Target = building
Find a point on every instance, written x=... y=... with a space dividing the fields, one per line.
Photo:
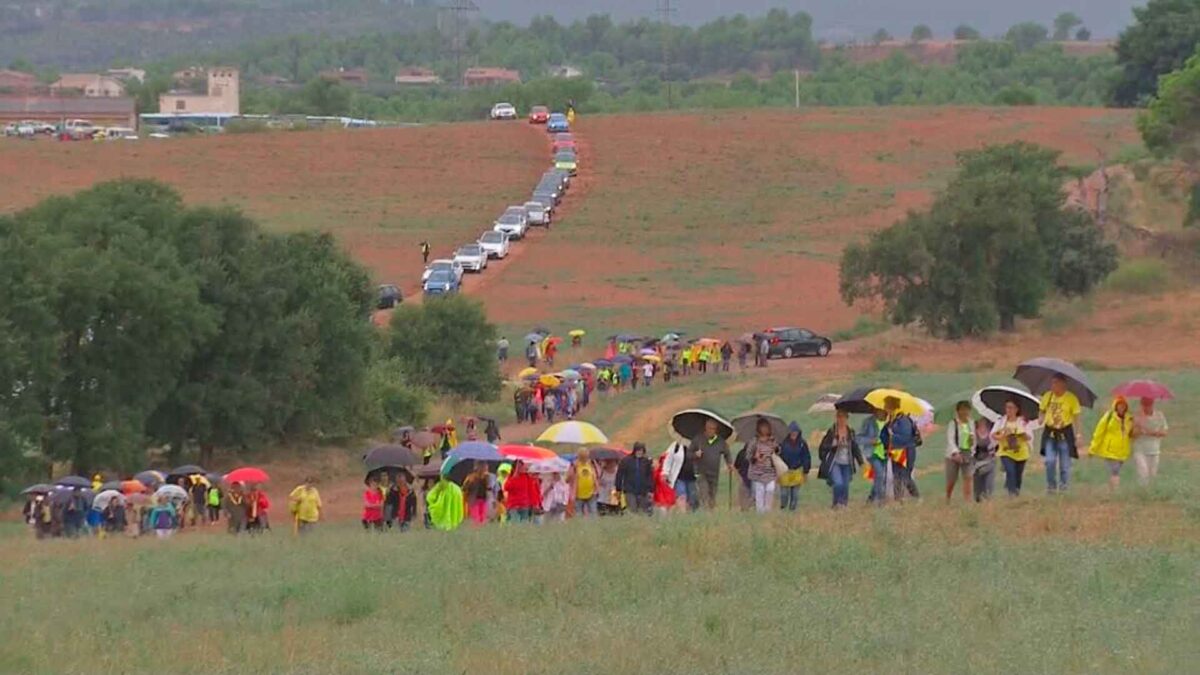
x=89 y=84
x=126 y=74
x=355 y=76
x=111 y=111
x=486 y=77
x=565 y=71
x=222 y=94
x=16 y=81
x=416 y=76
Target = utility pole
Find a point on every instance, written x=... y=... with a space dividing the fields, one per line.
x=796 y=72
x=666 y=10
x=456 y=11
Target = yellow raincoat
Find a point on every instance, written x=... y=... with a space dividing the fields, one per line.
x=445 y=502
x=1112 y=438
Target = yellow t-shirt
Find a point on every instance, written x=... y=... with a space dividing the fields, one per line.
x=1019 y=453
x=306 y=504
x=1060 y=411
x=585 y=481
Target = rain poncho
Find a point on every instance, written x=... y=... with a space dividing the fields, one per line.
x=1111 y=439
x=445 y=502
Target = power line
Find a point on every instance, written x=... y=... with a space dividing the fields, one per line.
x=457 y=10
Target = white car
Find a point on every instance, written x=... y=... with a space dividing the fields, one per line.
x=440 y=264
x=472 y=257
x=514 y=222
x=503 y=111
x=495 y=244
x=537 y=214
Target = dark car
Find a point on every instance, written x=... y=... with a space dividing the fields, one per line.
x=790 y=342
x=389 y=296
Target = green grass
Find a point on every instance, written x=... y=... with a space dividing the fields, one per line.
x=864 y=326
x=1143 y=276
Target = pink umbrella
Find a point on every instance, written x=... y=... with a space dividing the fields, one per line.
x=529 y=453
x=247 y=474
x=1143 y=389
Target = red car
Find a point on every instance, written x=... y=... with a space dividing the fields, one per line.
x=564 y=145
x=538 y=114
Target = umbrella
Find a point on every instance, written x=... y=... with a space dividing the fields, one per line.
x=173 y=492
x=533 y=337
x=652 y=358
x=214 y=478
x=578 y=332
x=247 y=474
x=990 y=401
x=1037 y=373
x=855 y=402
x=603 y=363
x=746 y=338
x=73 y=481
x=133 y=487
x=576 y=432
x=38 y=489
x=552 y=465
x=150 y=478
x=111 y=485
x=527 y=372
x=427 y=471
x=708 y=342
x=909 y=404
x=61 y=495
x=626 y=337
x=187 y=470
x=587 y=366
x=553 y=341
x=689 y=423
x=424 y=439
x=478 y=451
x=541 y=330
x=549 y=381
x=607 y=454
x=382 y=456
x=672 y=337
x=622 y=358
x=826 y=403
x=1143 y=389
x=528 y=453
x=442 y=428
x=101 y=500
x=746 y=425
x=569 y=374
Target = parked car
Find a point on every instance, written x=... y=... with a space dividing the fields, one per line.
x=494 y=243
x=442 y=282
x=538 y=114
x=563 y=177
x=503 y=111
x=389 y=296
x=537 y=213
x=546 y=194
x=564 y=136
x=789 y=342
x=567 y=161
x=513 y=222
x=78 y=129
x=557 y=122
x=545 y=201
x=564 y=145
x=443 y=264
x=551 y=189
x=472 y=257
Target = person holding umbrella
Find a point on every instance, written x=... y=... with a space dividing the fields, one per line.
x=708 y=450
x=522 y=495
x=1059 y=409
x=903 y=438
x=1014 y=434
x=1149 y=428
x=871 y=436
x=1112 y=439
x=477 y=492
x=840 y=457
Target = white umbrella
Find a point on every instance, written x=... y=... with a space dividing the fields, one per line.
x=990 y=401
x=171 y=492
x=101 y=501
x=549 y=465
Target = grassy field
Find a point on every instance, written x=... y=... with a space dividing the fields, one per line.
x=1088 y=582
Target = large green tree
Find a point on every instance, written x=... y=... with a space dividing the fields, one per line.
x=1170 y=125
x=448 y=346
x=1064 y=23
x=1027 y=35
x=1164 y=35
x=989 y=250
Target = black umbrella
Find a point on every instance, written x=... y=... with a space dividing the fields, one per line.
x=389 y=456
x=187 y=470
x=606 y=455
x=746 y=425
x=111 y=485
x=990 y=401
x=38 y=489
x=73 y=481
x=855 y=402
x=1037 y=374
x=690 y=423
x=62 y=495
x=215 y=478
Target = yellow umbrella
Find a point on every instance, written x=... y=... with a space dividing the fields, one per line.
x=576 y=432
x=578 y=332
x=527 y=372
x=653 y=358
x=909 y=404
x=549 y=380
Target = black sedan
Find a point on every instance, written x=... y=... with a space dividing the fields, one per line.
x=790 y=342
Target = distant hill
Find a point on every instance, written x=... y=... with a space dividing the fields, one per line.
x=81 y=34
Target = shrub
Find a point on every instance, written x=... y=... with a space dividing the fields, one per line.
x=1140 y=277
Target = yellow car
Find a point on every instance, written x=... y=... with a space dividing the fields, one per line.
x=566 y=161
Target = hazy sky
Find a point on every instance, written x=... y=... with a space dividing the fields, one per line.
x=836 y=19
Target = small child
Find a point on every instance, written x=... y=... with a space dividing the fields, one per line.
x=984 y=464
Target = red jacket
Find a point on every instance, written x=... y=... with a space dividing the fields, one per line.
x=522 y=491
x=372 y=505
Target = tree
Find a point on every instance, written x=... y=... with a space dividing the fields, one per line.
x=325 y=96
x=993 y=244
x=921 y=32
x=1064 y=23
x=1027 y=35
x=1170 y=126
x=881 y=35
x=447 y=346
x=965 y=32
x=1164 y=35
x=1083 y=34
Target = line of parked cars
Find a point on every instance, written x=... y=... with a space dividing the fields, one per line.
x=68 y=130
x=444 y=276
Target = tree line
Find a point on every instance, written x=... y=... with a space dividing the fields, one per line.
x=129 y=321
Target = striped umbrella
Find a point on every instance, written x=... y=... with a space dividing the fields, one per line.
x=574 y=432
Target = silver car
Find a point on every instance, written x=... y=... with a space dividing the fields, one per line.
x=472 y=257
x=537 y=213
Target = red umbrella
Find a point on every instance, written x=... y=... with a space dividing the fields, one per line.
x=1143 y=389
x=554 y=341
x=247 y=474
x=529 y=453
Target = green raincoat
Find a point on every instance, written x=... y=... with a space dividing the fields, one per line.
x=445 y=502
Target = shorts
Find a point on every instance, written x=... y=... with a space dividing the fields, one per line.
x=1114 y=466
x=955 y=470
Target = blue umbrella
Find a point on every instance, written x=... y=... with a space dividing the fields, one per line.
x=602 y=363
x=476 y=451
x=623 y=358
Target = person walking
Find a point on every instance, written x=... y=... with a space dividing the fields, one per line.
x=444 y=504
x=502 y=349
x=647 y=373
x=304 y=502
x=425 y=252
x=871 y=437
x=609 y=503
x=795 y=454
x=235 y=509
x=960 y=444
x=903 y=439
x=1058 y=411
x=1014 y=434
x=709 y=451
x=164 y=519
x=556 y=495
x=635 y=480
x=726 y=356
x=372 y=512
x=1149 y=428
x=198 y=500
x=213 y=502
x=1112 y=440
x=476 y=492
x=983 y=464
x=839 y=457
x=761 y=469
x=679 y=472
x=743 y=354
x=408 y=503
x=531 y=354
x=522 y=495
x=583 y=480
x=764 y=352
